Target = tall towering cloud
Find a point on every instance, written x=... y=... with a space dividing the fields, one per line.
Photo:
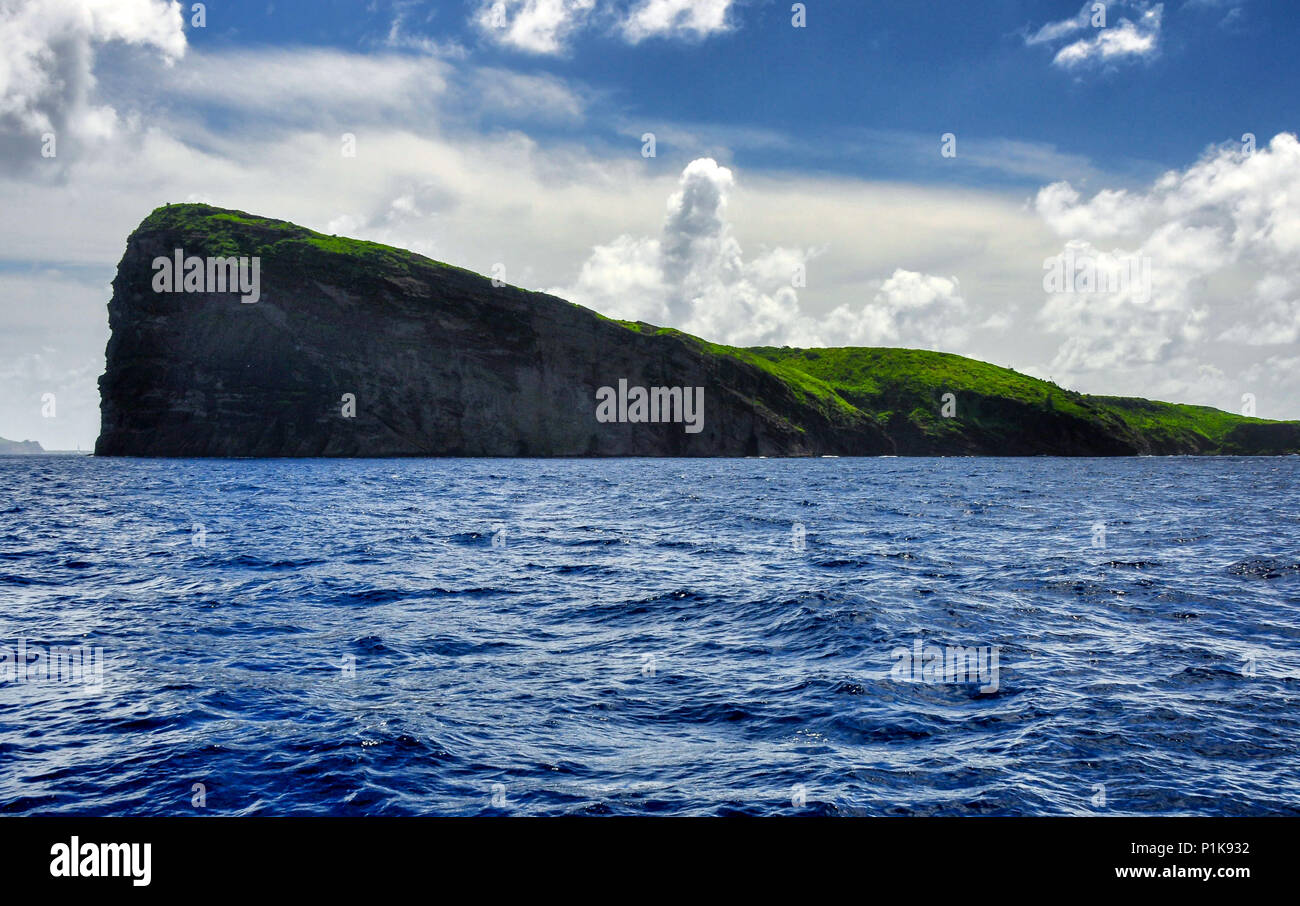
x=695 y=276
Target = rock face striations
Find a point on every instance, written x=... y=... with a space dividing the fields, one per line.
x=235 y=335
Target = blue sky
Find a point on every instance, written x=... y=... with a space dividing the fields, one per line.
x=798 y=193
x=902 y=67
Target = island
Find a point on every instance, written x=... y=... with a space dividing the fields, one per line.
x=234 y=335
x=19 y=447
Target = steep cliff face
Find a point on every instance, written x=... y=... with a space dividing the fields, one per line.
x=437 y=361
x=357 y=349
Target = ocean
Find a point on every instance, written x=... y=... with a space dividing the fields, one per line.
x=673 y=637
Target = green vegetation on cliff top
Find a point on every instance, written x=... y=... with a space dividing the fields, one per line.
x=225 y=233
x=910 y=379
x=848 y=383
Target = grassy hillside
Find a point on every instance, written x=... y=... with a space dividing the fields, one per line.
x=911 y=382
x=903 y=390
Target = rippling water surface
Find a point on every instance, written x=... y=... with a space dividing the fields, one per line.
x=651 y=636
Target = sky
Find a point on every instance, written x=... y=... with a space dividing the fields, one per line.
x=831 y=173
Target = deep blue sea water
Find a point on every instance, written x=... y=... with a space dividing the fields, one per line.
x=365 y=637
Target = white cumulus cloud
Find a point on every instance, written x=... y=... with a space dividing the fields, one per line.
x=1222 y=243
x=47 y=67
x=694 y=18
x=546 y=26
x=535 y=26
x=695 y=276
x=1097 y=40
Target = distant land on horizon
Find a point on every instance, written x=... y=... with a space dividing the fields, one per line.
x=16 y=447
x=354 y=348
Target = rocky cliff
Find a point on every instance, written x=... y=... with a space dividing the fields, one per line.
x=350 y=348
